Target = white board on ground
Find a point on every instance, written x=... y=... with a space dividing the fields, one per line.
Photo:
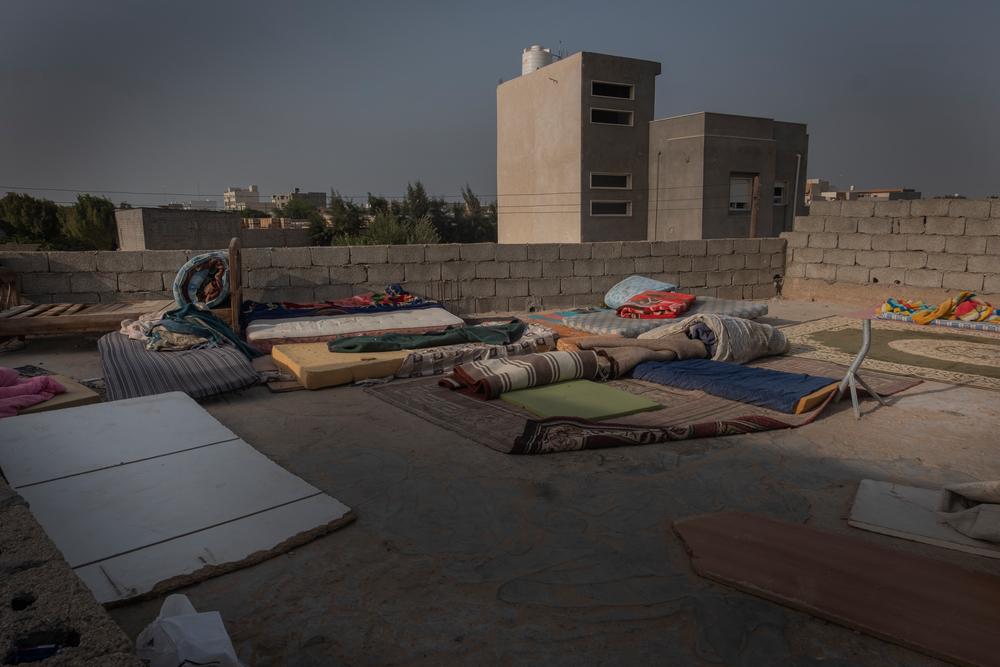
x=39 y=447
x=910 y=512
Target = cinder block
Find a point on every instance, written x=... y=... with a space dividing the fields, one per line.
x=25 y=262
x=603 y=283
x=664 y=248
x=526 y=269
x=119 y=261
x=855 y=241
x=624 y=265
x=171 y=260
x=492 y=305
x=825 y=207
x=574 y=251
x=735 y=262
x=704 y=291
x=332 y=292
x=707 y=263
x=405 y=254
x=352 y=274
x=899 y=208
x=479 y=287
x=559 y=301
x=589 y=300
x=308 y=276
x=442 y=252
x=991 y=284
x=93 y=282
x=745 y=246
x=44 y=283
x=875 y=225
x=719 y=278
x=427 y=272
x=725 y=292
x=545 y=252
x=744 y=277
x=678 y=263
x=962 y=280
x=460 y=270
x=265 y=278
x=842 y=225
x=765 y=291
x=971 y=208
x=929 y=207
x=693 y=248
x=606 y=250
x=330 y=255
x=839 y=257
x=720 y=247
x=71 y=262
x=369 y=254
x=75 y=297
x=492 y=269
x=757 y=261
x=521 y=304
x=778 y=260
x=795 y=270
x=853 y=274
x=976 y=263
x=993 y=246
x=577 y=285
x=908 y=260
x=924 y=278
x=636 y=249
x=290 y=257
x=796 y=239
x=383 y=274
x=690 y=279
x=967 y=245
x=250 y=258
x=889 y=241
x=477 y=252
x=888 y=276
x=911 y=225
x=925 y=242
x=810 y=223
x=994 y=213
x=667 y=277
x=947 y=226
x=823 y=240
x=772 y=245
x=872 y=258
x=511 y=252
x=513 y=287
x=947 y=262
x=860 y=208
x=461 y=306
x=543 y=287
x=590 y=267
x=557 y=269
x=141 y=281
x=982 y=227
x=649 y=265
x=821 y=271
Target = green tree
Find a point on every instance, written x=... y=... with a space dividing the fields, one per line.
x=346 y=217
x=28 y=220
x=297 y=209
x=90 y=223
x=319 y=232
x=389 y=229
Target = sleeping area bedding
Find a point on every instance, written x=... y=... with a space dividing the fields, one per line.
x=607 y=322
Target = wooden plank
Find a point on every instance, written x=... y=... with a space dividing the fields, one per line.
x=924 y=604
x=235 y=284
x=56 y=309
x=74 y=308
x=10 y=312
x=82 y=320
x=34 y=310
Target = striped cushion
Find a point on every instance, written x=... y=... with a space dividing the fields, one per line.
x=130 y=370
x=607 y=322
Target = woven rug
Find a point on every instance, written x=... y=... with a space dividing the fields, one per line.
x=687 y=414
x=954 y=356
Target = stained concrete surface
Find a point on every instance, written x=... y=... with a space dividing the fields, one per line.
x=464 y=555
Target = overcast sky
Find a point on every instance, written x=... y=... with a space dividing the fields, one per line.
x=193 y=96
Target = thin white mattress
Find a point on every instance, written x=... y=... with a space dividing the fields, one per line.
x=344 y=325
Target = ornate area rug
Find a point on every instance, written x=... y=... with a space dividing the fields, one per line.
x=954 y=356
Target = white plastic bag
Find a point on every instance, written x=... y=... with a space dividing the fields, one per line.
x=181 y=636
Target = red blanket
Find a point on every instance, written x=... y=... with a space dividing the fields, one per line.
x=653 y=304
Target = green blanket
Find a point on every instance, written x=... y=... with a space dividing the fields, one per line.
x=579 y=398
x=500 y=334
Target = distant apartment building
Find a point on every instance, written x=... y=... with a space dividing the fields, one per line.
x=884 y=194
x=317 y=199
x=580 y=158
x=201 y=205
x=238 y=199
x=818 y=189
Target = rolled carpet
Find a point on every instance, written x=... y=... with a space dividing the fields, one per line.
x=489 y=378
x=204 y=280
x=736 y=339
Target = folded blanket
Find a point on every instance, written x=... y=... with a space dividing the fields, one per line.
x=490 y=378
x=17 y=393
x=767 y=388
x=973 y=509
x=190 y=323
x=654 y=304
x=737 y=340
x=495 y=334
x=629 y=287
x=203 y=280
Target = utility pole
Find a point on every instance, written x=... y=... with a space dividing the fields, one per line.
x=754 y=206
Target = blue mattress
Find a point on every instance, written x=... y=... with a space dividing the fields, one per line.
x=606 y=322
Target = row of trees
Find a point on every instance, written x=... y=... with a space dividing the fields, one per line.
x=89 y=224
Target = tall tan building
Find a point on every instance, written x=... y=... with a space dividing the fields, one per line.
x=572 y=150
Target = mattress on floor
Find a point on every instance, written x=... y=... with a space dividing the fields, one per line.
x=130 y=370
x=951 y=324
x=316 y=367
x=582 y=399
x=264 y=334
x=607 y=322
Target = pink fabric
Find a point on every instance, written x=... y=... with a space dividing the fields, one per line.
x=17 y=393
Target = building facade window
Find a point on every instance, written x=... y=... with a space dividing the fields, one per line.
x=610 y=116
x=601 y=181
x=780 y=188
x=611 y=208
x=740 y=192
x=621 y=91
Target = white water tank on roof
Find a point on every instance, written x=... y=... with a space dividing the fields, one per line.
x=535 y=57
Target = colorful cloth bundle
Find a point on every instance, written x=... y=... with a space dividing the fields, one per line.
x=655 y=304
x=203 y=280
x=393 y=298
x=963 y=307
x=490 y=378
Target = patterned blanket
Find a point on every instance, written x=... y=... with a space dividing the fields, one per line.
x=653 y=304
x=393 y=298
x=203 y=279
x=438 y=360
x=490 y=378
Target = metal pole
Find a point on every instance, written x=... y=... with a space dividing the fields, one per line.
x=795 y=198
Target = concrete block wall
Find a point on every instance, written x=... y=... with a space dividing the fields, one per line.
x=468 y=278
x=911 y=248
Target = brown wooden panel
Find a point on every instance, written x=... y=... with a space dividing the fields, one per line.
x=10 y=312
x=56 y=309
x=925 y=604
x=34 y=310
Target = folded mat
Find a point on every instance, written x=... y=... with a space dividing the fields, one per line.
x=736 y=339
x=492 y=377
x=656 y=305
x=626 y=353
x=492 y=334
x=785 y=392
x=925 y=604
x=624 y=290
x=130 y=370
x=608 y=322
x=438 y=360
x=316 y=367
x=579 y=398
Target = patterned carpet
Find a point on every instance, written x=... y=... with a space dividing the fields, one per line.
x=954 y=356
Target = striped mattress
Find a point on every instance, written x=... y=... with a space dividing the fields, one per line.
x=951 y=324
x=607 y=322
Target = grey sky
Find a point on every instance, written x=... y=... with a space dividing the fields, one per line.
x=189 y=97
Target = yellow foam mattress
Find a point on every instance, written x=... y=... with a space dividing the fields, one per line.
x=315 y=367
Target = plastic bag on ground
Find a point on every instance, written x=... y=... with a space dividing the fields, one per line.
x=182 y=636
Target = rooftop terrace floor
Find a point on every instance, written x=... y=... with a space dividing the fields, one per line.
x=464 y=555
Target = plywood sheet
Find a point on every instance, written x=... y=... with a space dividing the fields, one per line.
x=39 y=447
x=910 y=513
x=928 y=605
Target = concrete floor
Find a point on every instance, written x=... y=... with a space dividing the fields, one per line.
x=464 y=555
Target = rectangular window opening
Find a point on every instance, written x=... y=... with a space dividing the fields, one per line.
x=780 y=187
x=610 y=116
x=612 y=208
x=611 y=181
x=622 y=91
x=740 y=192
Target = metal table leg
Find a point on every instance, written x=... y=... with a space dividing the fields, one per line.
x=852 y=379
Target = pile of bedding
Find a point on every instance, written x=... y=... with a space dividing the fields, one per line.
x=727 y=338
x=963 y=311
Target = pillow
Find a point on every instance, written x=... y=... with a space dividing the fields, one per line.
x=628 y=288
